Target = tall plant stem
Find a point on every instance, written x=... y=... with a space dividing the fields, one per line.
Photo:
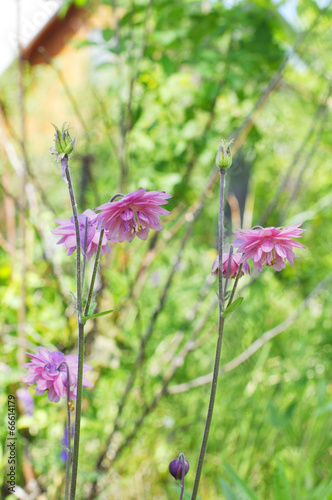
x=78 y=410
x=94 y=273
x=219 y=341
x=64 y=163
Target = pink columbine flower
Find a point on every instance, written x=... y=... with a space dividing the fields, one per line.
x=46 y=370
x=133 y=215
x=234 y=267
x=67 y=230
x=269 y=246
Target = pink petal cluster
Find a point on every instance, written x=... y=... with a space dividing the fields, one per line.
x=133 y=215
x=67 y=230
x=268 y=246
x=234 y=267
x=46 y=371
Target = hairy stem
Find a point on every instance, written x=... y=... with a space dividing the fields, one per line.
x=78 y=410
x=219 y=341
x=80 y=333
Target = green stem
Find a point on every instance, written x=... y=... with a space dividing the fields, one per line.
x=235 y=285
x=181 y=457
x=221 y=239
x=94 y=273
x=78 y=410
x=219 y=341
x=80 y=333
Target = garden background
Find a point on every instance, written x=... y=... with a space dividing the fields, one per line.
x=148 y=86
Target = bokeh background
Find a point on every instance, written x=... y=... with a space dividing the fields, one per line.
x=147 y=87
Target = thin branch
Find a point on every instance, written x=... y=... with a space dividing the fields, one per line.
x=44 y=237
x=18 y=164
x=177 y=362
x=68 y=92
x=271 y=206
x=255 y=346
x=22 y=312
x=146 y=337
x=313 y=151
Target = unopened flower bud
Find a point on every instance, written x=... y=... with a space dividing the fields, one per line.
x=175 y=468
x=224 y=155
x=233 y=267
x=64 y=144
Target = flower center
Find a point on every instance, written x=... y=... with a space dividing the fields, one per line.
x=51 y=368
x=136 y=224
x=272 y=261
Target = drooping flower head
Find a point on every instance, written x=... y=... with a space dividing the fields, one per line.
x=175 y=467
x=48 y=371
x=133 y=215
x=67 y=230
x=268 y=246
x=234 y=267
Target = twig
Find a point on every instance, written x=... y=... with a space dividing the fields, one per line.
x=67 y=90
x=22 y=214
x=271 y=206
x=255 y=346
x=313 y=151
x=177 y=361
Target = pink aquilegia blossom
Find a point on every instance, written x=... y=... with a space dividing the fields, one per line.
x=67 y=230
x=46 y=370
x=269 y=246
x=133 y=215
x=234 y=267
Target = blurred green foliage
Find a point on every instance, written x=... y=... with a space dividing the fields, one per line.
x=159 y=82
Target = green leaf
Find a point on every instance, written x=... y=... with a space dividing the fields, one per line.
x=103 y=313
x=92 y=308
x=227 y=490
x=107 y=34
x=234 y=305
x=281 y=488
x=244 y=492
